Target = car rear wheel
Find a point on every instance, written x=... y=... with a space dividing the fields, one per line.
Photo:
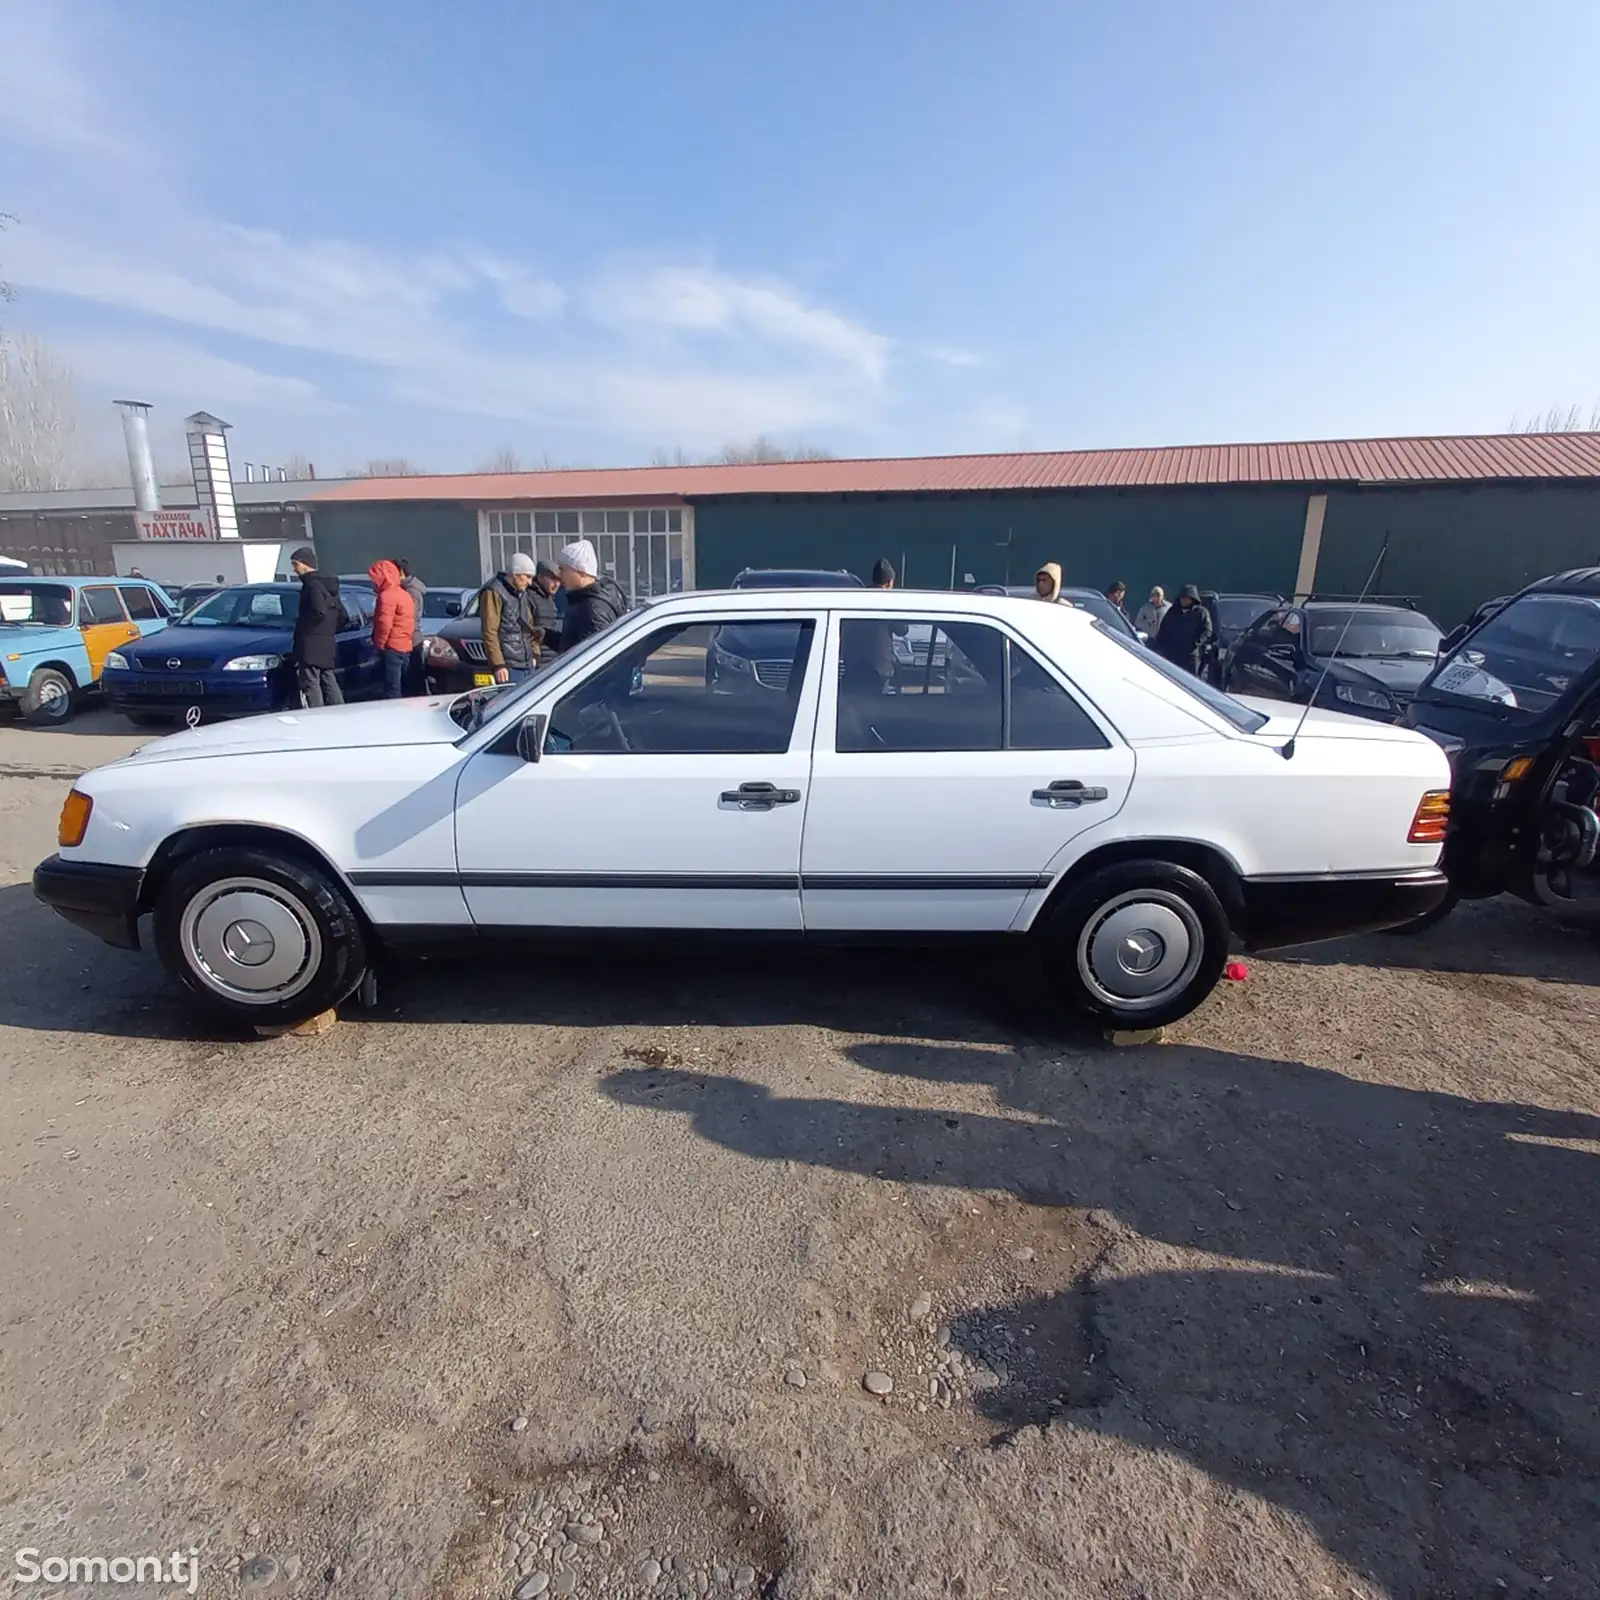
x=1137 y=944
x=48 y=698
x=258 y=937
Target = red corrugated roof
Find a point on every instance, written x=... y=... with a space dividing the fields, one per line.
x=1463 y=458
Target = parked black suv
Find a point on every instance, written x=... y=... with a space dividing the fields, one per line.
x=738 y=659
x=1374 y=656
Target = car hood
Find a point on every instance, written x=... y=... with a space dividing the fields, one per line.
x=349 y=727
x=1283 y=719
x=1400 y=673
x=217 y=643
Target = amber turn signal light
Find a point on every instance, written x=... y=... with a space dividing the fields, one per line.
x=1433 y=814
x=74 y=820
x=1517 y=767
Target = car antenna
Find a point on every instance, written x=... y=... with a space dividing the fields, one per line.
x=1287 y=752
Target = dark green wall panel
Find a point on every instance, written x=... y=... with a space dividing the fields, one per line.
x=440 y=541
x=1454 y=548
x=1230 y=539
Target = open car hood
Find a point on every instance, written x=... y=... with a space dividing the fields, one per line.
x=349 y=727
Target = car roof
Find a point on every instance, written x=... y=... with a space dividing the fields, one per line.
x=1358 y=605
x=1577 y=580
x=939 y=601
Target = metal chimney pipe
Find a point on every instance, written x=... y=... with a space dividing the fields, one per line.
x=249 y=473
x=141 y=466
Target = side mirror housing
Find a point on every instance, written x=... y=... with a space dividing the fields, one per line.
x=530 y=737
x=452 y=608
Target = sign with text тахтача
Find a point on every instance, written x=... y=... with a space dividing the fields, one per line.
x=195 y=523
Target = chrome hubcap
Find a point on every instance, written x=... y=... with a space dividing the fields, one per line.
x=1140 y=949
x=250 y=941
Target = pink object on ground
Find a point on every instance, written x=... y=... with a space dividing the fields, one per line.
x=1236 y=972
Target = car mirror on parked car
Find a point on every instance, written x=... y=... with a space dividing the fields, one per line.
x=530 y=737
x=452 y=608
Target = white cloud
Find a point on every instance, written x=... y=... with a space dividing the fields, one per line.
x=640 y=349
x=951 y=355
x=154 y=368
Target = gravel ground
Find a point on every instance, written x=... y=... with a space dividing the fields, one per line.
x=834 y=1276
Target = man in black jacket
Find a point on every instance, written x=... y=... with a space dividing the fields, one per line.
x=593 y=602
x=316 y=631
x=542 y=602
x=1184 y=632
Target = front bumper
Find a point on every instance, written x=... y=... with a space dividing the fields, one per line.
x=101 y=898
x=233 y=694
x=1283 y=911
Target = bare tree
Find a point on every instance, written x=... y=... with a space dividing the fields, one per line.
x=386 y=467
x=505 y=459
x=41 y=418
x=300 y=469
x=762 y=448
x=6 y=291
x=1560 y=419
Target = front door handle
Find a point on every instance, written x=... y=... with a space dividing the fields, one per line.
x=1067 y=794
x=757 y=797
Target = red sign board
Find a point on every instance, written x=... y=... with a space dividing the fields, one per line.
x=194 y=524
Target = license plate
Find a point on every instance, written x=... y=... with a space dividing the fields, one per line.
x=482 y=679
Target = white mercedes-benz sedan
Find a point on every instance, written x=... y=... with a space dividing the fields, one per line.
x=769 y=762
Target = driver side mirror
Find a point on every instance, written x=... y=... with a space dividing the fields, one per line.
x=452 y=608
x=530 y=737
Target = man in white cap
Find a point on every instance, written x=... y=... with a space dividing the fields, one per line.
x=593 y=602
x=509 y=623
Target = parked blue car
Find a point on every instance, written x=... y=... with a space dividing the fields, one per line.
x=56 y=634
x=229 y=657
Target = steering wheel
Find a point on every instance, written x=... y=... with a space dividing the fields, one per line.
x=615 y=724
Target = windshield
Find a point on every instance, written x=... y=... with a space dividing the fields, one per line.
x=1096 y=604
x=797 y=580
x=1373 y=634
x=1237 y=612
x=1527 y=656
x=48 y=603
x=1223 y=705
x=246 y=608
x=472 y=709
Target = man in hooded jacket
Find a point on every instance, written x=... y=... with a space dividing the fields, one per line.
x=593 y=602
x=1047 y=583
x=316 y=631
x=394 y=625
x=512 y=635
x=1185 y=630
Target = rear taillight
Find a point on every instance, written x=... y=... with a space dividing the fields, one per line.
x=1433 y=816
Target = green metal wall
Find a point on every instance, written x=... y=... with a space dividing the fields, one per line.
x=1230 y=539
x=1452 y=548
x=440 y=540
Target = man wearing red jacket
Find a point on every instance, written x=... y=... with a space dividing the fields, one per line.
x=394 y=624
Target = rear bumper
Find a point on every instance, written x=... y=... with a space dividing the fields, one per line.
x=100 y=898
x=1282 y=911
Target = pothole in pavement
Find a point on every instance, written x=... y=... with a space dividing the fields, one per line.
x=994 y=1326
x=672 y=1522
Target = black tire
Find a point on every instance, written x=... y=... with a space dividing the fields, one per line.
x=315 y=940
x=47 y=701
x=1175 y=917
x=1429 y=918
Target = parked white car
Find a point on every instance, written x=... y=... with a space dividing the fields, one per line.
x=1030 y=774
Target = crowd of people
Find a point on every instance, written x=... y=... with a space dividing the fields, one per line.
x=520 y=619
x=1178 y=633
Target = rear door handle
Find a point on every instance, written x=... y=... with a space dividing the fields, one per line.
x=757 y=797
x=1067 y=794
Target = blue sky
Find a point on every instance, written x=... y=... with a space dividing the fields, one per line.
x=592 y=231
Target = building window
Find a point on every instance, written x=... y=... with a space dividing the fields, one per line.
x=642 y=550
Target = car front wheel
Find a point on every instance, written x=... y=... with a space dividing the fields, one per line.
x=48 y=698
x=1137 y=944
x=258 y=937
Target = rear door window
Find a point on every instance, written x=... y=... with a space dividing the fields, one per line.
x=99 y=605
x=141 y=604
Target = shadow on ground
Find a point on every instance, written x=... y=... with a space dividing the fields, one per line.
x=1504 y=937
x=1393 y=1331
